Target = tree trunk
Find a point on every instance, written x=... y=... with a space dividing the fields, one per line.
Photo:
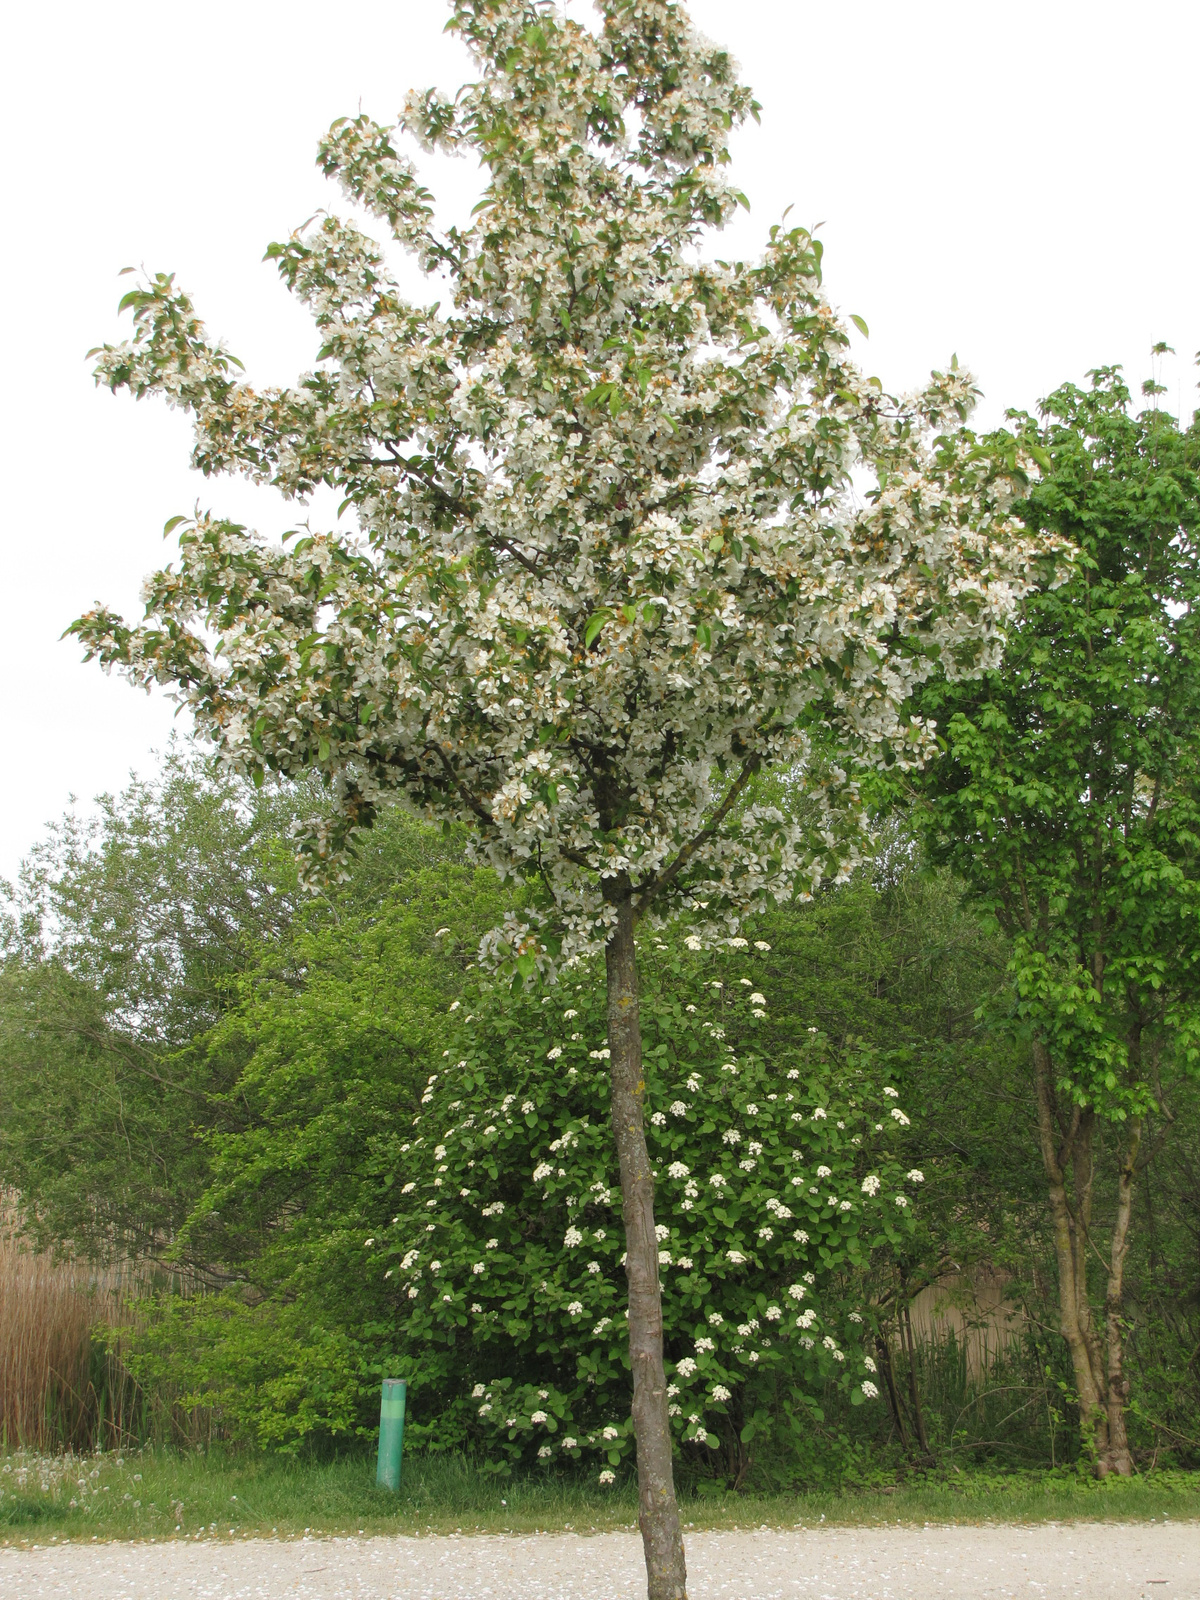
x=658 y=1512
x=914 y=1388
x=1070 y=1249
x=883 y=1348
x=1119 y=1457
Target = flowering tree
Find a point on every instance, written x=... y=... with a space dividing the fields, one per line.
x=777 y=1175
x=610 y=563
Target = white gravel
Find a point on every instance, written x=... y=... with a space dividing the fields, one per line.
x=1083 y=1561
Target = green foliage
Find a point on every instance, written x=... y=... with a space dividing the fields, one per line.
x=776 y=1178
x=129 y=940
x=279 y=1124
x=122 y=938
x=1066 y=798
x=326 y=1051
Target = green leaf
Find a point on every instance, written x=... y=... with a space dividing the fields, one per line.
x=592 y=631
x=860 y=325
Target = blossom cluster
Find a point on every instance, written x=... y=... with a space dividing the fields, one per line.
x=629 y=523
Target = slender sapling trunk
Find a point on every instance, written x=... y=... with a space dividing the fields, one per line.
x=658 y=1511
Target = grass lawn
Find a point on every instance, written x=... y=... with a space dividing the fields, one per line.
x=163 y=1495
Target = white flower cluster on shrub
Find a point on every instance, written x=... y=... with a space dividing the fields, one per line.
x=745 y=1303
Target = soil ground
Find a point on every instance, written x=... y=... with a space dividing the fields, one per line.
x=1051 y=1561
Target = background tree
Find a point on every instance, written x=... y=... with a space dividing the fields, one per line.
x=134 y=942
x=1066 y=801
x=610 y=562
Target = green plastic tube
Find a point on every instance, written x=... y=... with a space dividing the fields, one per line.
x=391 y=1432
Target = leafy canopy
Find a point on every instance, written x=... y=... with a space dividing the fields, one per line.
x=609 y=561
x=1066 y=798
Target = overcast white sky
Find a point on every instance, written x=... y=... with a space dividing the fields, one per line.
x=1016 y=183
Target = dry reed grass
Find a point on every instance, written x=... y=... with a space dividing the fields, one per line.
x=59 y=1387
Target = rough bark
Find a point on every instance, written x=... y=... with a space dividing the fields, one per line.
x=658 y=1512
x=883 y=1349
x=1070 y=1253
x=1119 y=1458
x=913 y=1386
x=1097 y=1355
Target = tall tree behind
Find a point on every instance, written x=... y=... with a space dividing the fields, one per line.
x=126 y=941
x=123 y=936
x=1066 y=799
x=612 y=565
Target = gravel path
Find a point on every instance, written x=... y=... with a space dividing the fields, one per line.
x=1098 y=1561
